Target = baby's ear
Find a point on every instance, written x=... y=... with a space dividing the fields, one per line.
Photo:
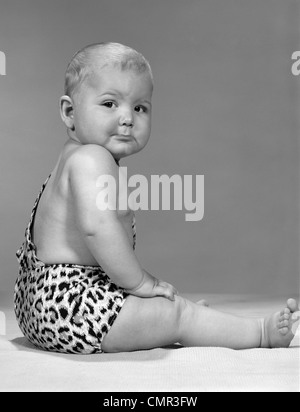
x=67 y=111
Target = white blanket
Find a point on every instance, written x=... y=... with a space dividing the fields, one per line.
x=175 y=369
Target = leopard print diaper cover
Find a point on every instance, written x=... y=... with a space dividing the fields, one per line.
x=64 y=307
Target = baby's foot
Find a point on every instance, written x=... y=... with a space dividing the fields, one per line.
x=202 y=302
x=278 y=330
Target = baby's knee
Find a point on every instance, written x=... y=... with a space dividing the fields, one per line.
x=182 y=309
x=170 y=313
x=186 y=311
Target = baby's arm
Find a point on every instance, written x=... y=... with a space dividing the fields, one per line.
x=103 y=232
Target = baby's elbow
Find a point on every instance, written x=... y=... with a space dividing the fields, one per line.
x=87 y=231
x=91 y=228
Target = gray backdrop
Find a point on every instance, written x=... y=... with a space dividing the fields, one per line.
x=225 y=106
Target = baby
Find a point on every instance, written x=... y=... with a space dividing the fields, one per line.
x=81 y=288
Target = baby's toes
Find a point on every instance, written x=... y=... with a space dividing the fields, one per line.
x=284 y=330
x=284 y=323
x=292 y=305
x=284 y=314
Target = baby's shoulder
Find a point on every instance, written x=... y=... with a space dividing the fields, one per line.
x=92 y=159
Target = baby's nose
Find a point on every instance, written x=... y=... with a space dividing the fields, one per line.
x=126 y=119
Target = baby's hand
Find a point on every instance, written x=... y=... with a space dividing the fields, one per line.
x=151 y=287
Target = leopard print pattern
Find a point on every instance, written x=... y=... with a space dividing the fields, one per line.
x=64 y=308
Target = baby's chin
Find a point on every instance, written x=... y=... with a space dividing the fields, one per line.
x=124 y=150
x=121 y=155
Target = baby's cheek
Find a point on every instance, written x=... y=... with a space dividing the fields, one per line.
x=144 y=135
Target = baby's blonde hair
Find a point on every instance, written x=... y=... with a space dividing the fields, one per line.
x=116 y=54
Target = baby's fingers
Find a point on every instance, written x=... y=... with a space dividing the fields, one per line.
x=175 y=291
x=166 y=290
x=171 y=287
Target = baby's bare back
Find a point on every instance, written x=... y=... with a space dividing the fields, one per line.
x=55 y=231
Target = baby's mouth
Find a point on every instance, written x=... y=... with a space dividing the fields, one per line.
x=124 y=137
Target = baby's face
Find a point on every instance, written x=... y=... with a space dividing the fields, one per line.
x=113 y=109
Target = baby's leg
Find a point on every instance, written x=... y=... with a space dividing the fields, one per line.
x=144 y=323
x=156 y=322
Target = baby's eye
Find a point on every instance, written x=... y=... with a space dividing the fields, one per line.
x=140 y=109
x=109 y=104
